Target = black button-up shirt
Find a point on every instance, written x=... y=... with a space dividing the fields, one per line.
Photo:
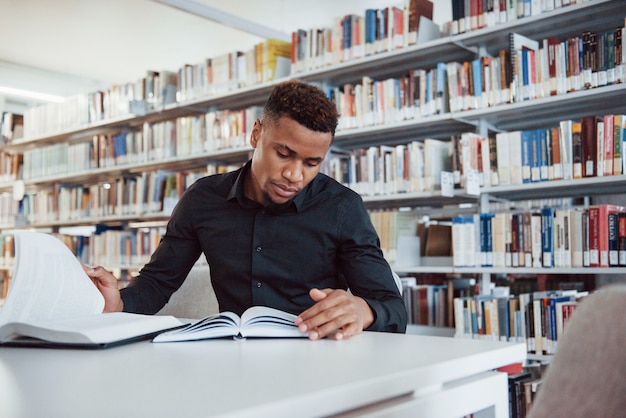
x=257 y=256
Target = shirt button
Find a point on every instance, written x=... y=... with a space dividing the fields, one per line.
x=258 y=249
x=258 y=284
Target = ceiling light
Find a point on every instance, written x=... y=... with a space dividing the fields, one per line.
x=44 y=97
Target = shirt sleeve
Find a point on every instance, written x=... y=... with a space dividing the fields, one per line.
x=169 y=264
x=366 y=271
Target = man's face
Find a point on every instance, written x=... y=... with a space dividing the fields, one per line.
x=286 y=158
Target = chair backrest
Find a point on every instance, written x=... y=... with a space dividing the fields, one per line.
x=586 y=376
x=195 y=299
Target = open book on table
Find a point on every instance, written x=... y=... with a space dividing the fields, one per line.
x=257 y=321
x=52 y=302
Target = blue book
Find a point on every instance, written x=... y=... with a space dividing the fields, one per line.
x=552 y=335
x=347 y=37
x=486 y=239
x=547 y=236
x=545 y=144
x=370 y=31
x=526 y=156
x=442 y=69
x=525 y=74
x=504 y=318
x=477 y=78
x=382 y=34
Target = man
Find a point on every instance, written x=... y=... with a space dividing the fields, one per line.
x=276 y=233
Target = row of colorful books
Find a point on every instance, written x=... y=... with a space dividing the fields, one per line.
x=384 y=169
x=586 y=147
x=426 y=304
x=537 y=319
x=550 y=237
x=266 y=61
x=523 y=72
x=593 y=146
x=354 y=35
x=124 y=248
x=160 y=88
x=153 y=192
x=183 y=137
x=377 y=30
x=429 y=298
x=110 y=247
x=475 y=14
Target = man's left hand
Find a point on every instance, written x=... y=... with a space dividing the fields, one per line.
x=336 y=314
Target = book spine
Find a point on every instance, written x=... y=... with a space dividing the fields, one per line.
x=577 y=151
x=526 y=143
x=622 y=238
x=589 y=140
x=594 y=251
x=486 y=239
x=547 y=239
x=613 y=238
x=618 y=137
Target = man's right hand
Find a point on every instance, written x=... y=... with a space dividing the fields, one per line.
x=106 y=283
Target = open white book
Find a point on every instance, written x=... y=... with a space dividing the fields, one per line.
x=52 y=301
x=257 y=321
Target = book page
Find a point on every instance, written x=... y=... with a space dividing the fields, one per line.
x=262 y=321
x=48 y=282
x=97 y=328
x=225 y=324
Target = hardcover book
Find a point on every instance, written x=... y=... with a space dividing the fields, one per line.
x=52 y=302
x=257 y=321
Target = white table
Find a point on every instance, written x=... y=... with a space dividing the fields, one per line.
x=403 y=375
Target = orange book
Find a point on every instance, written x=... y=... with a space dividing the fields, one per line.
x=577 y=151
x=557 y=165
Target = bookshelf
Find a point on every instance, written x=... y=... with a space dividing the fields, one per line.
x=594 y=15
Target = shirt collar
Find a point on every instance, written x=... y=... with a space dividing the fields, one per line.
x=236 y=191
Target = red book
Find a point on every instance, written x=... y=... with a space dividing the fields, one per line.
x=513 y=368
x=474 y=4
x=552 y=43
x=599 y=233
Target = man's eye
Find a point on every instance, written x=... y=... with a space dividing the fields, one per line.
x=281 y=155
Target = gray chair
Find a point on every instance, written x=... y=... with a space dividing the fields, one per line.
x=195 y=299
x=587 y=376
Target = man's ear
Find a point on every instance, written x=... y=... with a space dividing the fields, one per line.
x=256 y=133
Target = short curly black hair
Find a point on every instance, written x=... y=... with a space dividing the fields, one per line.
x=302 y=102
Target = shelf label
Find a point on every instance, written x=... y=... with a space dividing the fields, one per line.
x=472 y=183
x=447 y=184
